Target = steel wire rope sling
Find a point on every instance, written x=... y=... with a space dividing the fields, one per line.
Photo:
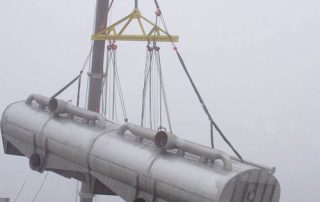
x=111 y=80
x=40 y=188
x=212 y=122
x=78 y=77
x=38 y=191
x=111 y=75
x=154 y=79
x=18 y=194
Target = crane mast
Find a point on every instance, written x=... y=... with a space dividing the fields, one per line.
x=95 y=78
x=96 y=74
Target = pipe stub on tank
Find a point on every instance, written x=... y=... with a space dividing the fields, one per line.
x=53 y=104
x=161 y=139
x=36 y=162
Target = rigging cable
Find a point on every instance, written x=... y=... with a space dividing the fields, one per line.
x=111 y=75
x=123 y=106
x=105 y=18
x=104 y=86
x=205 y=107
x=146 y=76
x=20 y=191
x=113 y=90
x=211 y=135
x=88 y=80
x=154 y=85
x=66 y=86
x=212 y=122
x=149 y=54
x=40 y=188
x=78 y=77
x=163 y=92
x=79 y=87
x=150 y=95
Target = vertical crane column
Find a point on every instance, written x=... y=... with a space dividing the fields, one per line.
x=95 y=81
x=97 y=57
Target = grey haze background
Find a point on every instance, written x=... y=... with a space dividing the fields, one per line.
x=255 y=62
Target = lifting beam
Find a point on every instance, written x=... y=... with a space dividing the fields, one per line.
x=155 y=34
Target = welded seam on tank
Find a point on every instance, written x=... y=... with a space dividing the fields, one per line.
x=92 y=142
x=41 y=134
x=151 y=164
x=63 y=157
x=70 y=148
x=42 y=129
x=158 y=180
x=45 y=146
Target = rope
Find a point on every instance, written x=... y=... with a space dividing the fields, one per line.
x=160 y=86
x=75 y=79
x=164 y=95
x=123 y=106
x=111 y=85
x=40 y=188
x=79 y=87
x=211 y=135
x=65 y=87
x=147 y=80
x=212 y=123
x=154 y=85
x=105 y=19
x=205 y=107
x=20 y=191
x=124 y=111
x=113 y=91
x=105 y=84
x=146 y=75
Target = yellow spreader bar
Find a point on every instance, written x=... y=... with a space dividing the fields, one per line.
x=134 y=38
x=155 y=34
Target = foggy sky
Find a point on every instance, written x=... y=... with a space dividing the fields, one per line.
x=256 y=64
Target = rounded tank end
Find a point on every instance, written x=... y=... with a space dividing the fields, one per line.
x=255 y=185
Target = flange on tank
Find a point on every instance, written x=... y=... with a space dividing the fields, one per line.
x=136 y=163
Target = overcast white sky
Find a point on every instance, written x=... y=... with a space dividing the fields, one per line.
x=256 y=64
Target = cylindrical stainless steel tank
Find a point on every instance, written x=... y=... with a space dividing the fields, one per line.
x=127 y=161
